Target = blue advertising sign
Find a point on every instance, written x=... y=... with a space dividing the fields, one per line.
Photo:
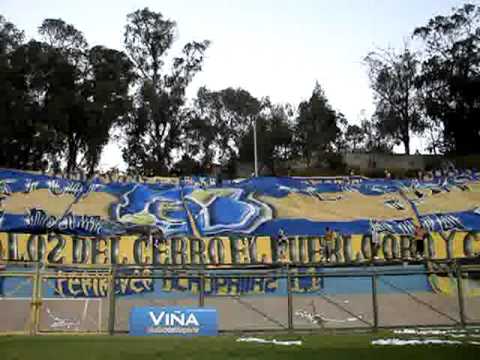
x=153 y=320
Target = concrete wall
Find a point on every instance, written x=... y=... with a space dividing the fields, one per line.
x=372 y=161
x=363 y=163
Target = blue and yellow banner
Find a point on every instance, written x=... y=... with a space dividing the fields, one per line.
x=223 y=251
x=32 y=203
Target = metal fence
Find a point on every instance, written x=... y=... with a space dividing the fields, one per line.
x=37 y=299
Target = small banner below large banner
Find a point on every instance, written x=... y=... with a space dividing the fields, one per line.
x=180 y=321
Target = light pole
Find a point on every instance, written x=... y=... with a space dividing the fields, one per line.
x=255 y=144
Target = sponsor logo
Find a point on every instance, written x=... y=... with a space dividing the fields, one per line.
x=176 y=322
x=172 y=321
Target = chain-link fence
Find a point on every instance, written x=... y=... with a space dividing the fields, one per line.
x=16 y=299
x=74 y=301
x=38 y=299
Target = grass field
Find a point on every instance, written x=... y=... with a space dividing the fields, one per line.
x=222 y=347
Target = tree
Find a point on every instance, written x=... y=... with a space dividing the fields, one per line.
x=65 y=38
x=221 y=128
x=26 y=137
x=64 y=83
x=157 y=123
x=340 y=143
x=86 y=92
x=274 y=127
x=281 y=120
x=450 y=78
x=188 y=166
x=42 y=83
x=316 y=125
x=375 y=141
x=10 y=36
x=106 y=99
x=398 y=104
x=59 y=99
x=219 y=122
x=355 y=136
x=435 y=136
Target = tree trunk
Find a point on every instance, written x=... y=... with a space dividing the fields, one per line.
x=91 y=165
x=406 y=143
x=72 y=155
x=308 y=157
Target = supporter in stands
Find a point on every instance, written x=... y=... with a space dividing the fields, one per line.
x=2 y=199
x=419 y=175
x=419 y=236
x=282 y=243
x=336 y=232
x=375 y=244
x=428 y=176
x=219 y=179
x=157 y=238
x=44 y=167
x=329 y=243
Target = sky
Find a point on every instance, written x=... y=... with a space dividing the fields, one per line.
x=275 y=48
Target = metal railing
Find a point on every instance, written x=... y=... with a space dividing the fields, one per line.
x=37 y=299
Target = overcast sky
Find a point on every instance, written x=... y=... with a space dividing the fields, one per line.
x=275 y=48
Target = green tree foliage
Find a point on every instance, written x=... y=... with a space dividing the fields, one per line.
x=220 y=129
x=10 y=36
x=91 y=93
x=375 y=141
x=317 y=125
x=354 y=136
x=155 y=129
x=61 y=98
x=107 y=99
x=188 y=166
x=450 y=80
x=398 y=104
x=340 y=143
x=274 y=127
x=25 y=133
x=219 y=122
x=68 y=49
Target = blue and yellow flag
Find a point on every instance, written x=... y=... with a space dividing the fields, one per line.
x=32 y=203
